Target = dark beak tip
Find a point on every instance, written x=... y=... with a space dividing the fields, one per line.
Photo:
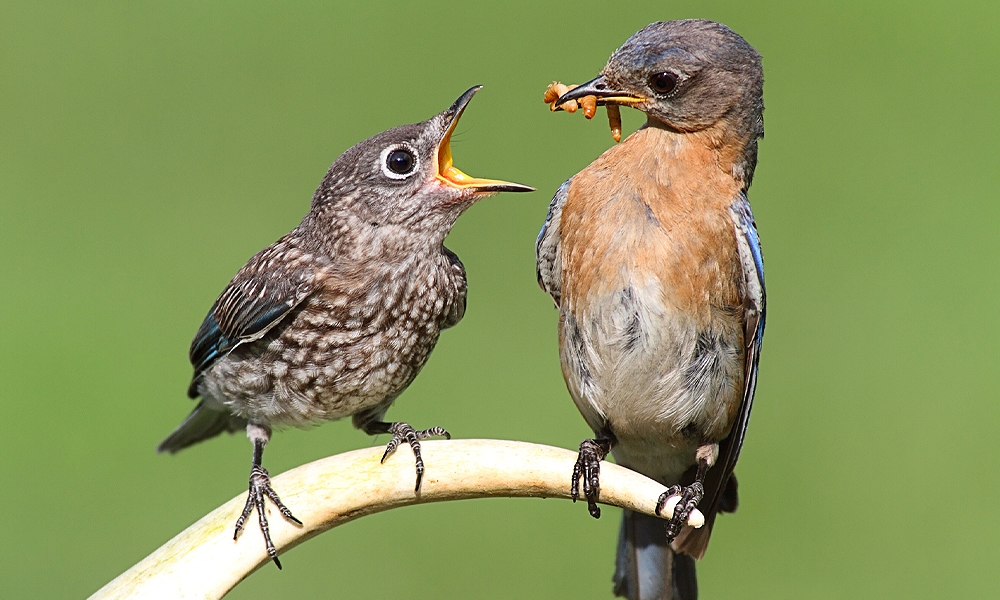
x=506 y=187
x=595 y=85
x=459 y=105
x=567 y=97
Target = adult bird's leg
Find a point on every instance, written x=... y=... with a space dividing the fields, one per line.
x=260 y=486
x=588 y=468
x=690 y=495
x=403 y=432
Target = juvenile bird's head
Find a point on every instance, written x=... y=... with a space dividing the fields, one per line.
x=403 y=182
x=689 y=75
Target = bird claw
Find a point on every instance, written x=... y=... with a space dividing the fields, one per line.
x=685 y=511
x=260 y=486
x=588 y=468
x=404 y=432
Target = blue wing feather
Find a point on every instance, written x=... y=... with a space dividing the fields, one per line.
x=756 y=309
x=717 y=483
x=208 y=343
x=235 y=319
x=261 y=295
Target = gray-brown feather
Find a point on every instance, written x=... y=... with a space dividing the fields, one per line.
x=348 y=347
x=548 y=262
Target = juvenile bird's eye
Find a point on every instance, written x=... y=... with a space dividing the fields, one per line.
x=663 y=83
x=400 y=161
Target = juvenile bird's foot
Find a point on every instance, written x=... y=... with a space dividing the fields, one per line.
x=588 y=468
x=404 y=432
x=686 y=504
x=260 y=486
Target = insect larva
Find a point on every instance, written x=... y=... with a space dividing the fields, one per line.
x=615 y=121
x=554 y=91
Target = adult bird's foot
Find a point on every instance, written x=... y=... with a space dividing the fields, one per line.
x=588 y=468
x=688 y=499
x=403 y=432
x=260 y=486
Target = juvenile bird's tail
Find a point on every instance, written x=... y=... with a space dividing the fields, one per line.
x=201 y=424
x=646 y=568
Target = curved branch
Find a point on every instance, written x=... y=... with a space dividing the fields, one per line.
x=203 y=561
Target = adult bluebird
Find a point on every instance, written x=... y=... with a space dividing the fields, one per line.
x=652 y=256
x=337 y=317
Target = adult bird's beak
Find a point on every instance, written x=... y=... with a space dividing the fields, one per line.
x=451 y=176
x=605 y=95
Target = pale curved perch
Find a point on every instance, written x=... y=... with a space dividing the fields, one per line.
x=203 y=561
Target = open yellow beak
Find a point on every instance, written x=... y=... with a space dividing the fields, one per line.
x=450 y=175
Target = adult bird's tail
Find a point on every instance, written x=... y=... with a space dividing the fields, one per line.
x=201 y=424
x=646 y=568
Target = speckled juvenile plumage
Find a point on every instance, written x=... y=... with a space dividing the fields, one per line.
x=352 y=344
x=337 y=317
x=651 y=254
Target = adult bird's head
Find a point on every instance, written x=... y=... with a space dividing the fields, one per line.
x=689 y=75
x=403 y=179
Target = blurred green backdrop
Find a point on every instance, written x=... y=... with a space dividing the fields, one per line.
x=149 y=149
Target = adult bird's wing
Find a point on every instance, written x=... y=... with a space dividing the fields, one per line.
x=548 y=265
x=720 y=483
x=264 y=291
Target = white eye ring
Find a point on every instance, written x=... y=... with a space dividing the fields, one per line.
x=384 y=161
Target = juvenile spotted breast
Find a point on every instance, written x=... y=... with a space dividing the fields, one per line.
x=353 y=344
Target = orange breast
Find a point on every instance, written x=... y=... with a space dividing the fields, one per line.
x=654 y=206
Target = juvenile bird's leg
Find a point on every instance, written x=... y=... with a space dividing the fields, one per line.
x=588 y=468
x=260 y=486
x=690 y=495
x=403 y=432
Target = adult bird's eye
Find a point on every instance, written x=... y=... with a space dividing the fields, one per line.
x=400 y=161
x=663 y=83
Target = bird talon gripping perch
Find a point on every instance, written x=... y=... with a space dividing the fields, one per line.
x=260 y=486
x=588 y=468
x=681 y=504
x=337 y=317
x=403 y=432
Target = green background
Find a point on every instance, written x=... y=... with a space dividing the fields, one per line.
x=148 y=149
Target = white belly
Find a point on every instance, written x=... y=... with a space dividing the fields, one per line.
x=660 y=382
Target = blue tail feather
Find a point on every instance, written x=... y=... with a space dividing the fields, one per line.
x=646 y=568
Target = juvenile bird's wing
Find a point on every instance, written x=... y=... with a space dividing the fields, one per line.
x=720 y=492
x=264 y=291
x=548 y=265
x=462 y=287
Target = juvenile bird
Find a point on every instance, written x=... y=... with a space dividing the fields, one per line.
x=652 y=256
x=337 y=317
